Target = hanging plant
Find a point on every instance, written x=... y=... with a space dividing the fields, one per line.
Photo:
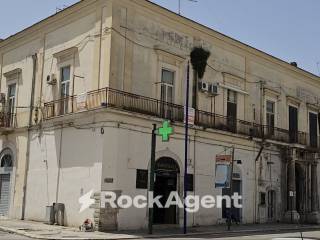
x=199 y=58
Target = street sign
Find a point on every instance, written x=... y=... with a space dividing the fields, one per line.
x=223 y=159
x=291 y=193
x=165 y=131
x=82 y=102
x=191 y=115
x=223 y=171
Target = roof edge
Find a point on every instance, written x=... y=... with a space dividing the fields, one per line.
x=245 y=46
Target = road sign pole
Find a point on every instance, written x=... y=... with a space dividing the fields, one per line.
x=152 y=167
x=231 y=189
x=186 y=150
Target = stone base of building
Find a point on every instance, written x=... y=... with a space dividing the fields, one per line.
x=292 y=217
x=313 y=218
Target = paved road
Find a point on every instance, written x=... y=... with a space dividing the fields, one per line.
x=9 y=236
x=315 y=235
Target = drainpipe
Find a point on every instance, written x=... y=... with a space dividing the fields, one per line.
x=256 y=186
x=100 y=48
x=262 y=108
x=35 y=61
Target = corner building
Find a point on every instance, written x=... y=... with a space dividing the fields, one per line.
x=82 y=89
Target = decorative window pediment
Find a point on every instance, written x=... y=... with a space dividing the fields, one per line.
x=13 y=74
x=271 y=92
x=293 y=100
x=313 y=107
x=234 y=81
x=166 y=56
x=65 y=54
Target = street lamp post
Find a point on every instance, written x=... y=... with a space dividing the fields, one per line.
x=152 y=167
x=186 y=150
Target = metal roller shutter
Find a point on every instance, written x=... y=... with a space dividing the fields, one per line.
x=4 y=194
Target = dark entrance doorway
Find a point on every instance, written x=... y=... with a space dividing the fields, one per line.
x=166 y=179
x=271 y=205
x=235 y=212
x=300 y=190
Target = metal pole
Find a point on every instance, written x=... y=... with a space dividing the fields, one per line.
x=291 y=203
x=214 y=110
x=211 y=111
x=152 y=166
x=231 y=189
x=186 y=151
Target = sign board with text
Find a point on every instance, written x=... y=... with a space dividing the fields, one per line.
x=223 y=171
x=82 y=102
x=191 y=115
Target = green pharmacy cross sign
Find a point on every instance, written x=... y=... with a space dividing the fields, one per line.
x=165 y=131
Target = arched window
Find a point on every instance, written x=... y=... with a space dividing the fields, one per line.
x=6 y=159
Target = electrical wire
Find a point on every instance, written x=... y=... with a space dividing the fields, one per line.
x=148 y=132
x=262 y=80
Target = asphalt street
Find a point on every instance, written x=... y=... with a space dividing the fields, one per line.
x=314 y=235
x=11 y=236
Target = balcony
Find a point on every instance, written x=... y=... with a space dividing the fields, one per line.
x=112 y=98
x=7 y=121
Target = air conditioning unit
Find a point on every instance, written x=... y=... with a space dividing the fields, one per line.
x=204 y=86
x=52 y=79
x=214 y=89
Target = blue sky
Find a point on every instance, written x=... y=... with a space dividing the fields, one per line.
x=288 y=29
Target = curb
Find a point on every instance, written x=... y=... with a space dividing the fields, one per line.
x=232 y=232
x=212 y=233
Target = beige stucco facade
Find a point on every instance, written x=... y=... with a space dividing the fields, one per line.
x=115 y=52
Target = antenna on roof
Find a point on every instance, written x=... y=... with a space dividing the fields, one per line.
x=318 y=67
x=180 y=5
x=59 y=9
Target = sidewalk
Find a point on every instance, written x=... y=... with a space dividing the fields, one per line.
x=42 y=231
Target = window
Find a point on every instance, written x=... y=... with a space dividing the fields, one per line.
x=6 y=161
x=293 y=124
x=313 y=129
x=167 y=93
x=142 y=179
x=262 y=198
x=270 y=117
x=232 y=110
x=11 y=103
x=11 y=98
x=65 y=89
x=232 y=96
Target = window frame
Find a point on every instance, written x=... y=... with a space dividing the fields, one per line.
x=298 y=122
x=65 y=104
x=168 y=85
x=309 y=127
x=13 y=98
x=265 y=110
x=69 y=81
x=268 y=114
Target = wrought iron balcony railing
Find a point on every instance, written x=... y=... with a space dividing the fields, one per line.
x=7 y=120
x=112 y=98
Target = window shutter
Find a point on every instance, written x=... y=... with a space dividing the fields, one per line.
x=313 y=129
x=293 y=124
